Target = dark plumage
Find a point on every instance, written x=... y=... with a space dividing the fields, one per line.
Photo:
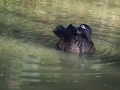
x=75 y=39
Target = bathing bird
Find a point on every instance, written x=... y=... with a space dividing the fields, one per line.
x=76 y=39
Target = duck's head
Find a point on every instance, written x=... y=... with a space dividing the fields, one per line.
x=84 y=30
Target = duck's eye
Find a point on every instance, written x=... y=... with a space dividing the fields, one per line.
x=82 y=26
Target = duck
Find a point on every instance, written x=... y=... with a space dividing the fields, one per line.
x=75 y=39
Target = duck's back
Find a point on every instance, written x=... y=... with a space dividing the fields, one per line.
x=77 y=44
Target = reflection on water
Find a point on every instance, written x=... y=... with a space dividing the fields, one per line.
x=28 y=55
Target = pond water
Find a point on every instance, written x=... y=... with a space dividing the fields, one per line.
x=29 y=59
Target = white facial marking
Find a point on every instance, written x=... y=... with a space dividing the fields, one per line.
x=82 y=26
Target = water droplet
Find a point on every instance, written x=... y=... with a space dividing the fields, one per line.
x=67 y=81
x=85 y=60
x=97 y=69
x=98 y=60
x=64 y=16
x=105 y=84
x=1 y=74
x=90 y=10
x=97 y=76
x=42 y=62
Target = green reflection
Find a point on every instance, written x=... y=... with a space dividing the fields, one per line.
x=29 y=59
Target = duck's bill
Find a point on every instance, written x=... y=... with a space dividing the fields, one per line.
x=78 y=32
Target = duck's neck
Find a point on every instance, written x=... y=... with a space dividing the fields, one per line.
x=82 y=36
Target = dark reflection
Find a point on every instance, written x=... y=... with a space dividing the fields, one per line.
x=78 y=61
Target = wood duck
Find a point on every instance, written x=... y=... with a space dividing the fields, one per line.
x=75 y=39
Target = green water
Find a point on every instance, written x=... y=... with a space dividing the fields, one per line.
x=29 y=59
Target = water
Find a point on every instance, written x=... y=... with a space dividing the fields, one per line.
x=29 y=59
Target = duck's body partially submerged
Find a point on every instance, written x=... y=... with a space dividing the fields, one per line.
x=75 y=39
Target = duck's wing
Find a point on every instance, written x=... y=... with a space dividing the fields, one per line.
x=65 y=33
x=59 y=31
x=69 y=32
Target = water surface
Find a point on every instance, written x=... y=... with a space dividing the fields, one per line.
x=29 y=59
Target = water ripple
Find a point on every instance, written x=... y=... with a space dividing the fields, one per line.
x=104 y=48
